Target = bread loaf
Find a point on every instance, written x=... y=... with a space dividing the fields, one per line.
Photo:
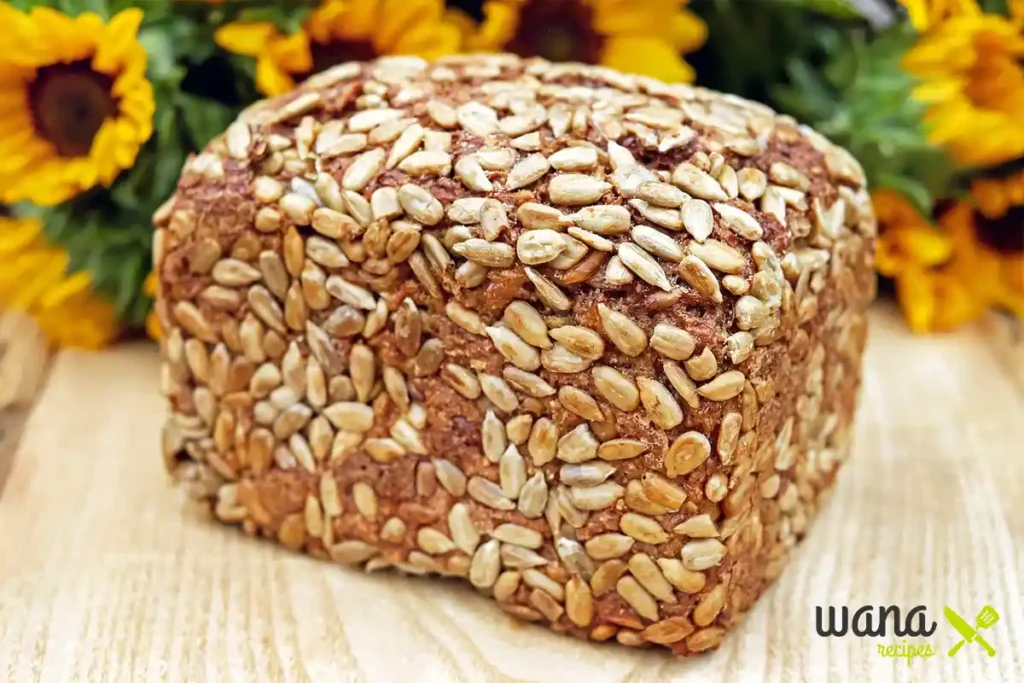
x=587 y=341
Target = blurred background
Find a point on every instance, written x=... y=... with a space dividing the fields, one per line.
x=102 y=100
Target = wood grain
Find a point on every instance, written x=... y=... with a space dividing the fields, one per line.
x=106 y=575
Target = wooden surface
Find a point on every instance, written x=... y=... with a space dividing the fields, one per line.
x=24 y=355
x=106 y=576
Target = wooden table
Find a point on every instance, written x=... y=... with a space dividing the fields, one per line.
x=105 y=574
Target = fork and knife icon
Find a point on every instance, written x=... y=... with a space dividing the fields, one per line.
x=986 y=618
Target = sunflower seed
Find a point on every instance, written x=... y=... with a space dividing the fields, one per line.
x=465 y=536
x=512 y=472
x=505 y=587
x=527 y=382
x=433 y=542
x=562 y=360
x=351 y=294
x=784 y=174
x=529 y=170
x=616 y=388
x=574 y=159
x=535 y=247
x=495 y=159
x=699 y=526
x=492 y=436
x=661 y=194
x=623 y=332
x=362 y=169
x=450 y=477
x=647 y=573
x=608 y=546
x=739 y=221
x=517 y=125
x=490 y=254
x=752 y=182
x=264 y=306
x=427 y=163
x=582 y=341
x=661 y=491
x=643 y=265
x=725 y=386
x=703 y=554
x=637 y=598
x=657 y=243
x=535 y=216
x=621 y=449
x=686 y=454
x=585 y=474
x=365 y=499
x=596 y=497
x=518 y=535
x=420 y=204
x=533 y=496
x=527 y=143
x=472 y=175
x=643 y=529
x=750 y=313
x=543 y=443
x=592 y=240
x=616 y=273
x=696 y=273
x=518 y=557
x=486 y=492
x=575 y=189
x=351 y=552
x=477 y=119
x=548 y=292
x=703 y=366
x=610 y=219
x=667 y=218
x=578 y=445
x=371 y=118
x=351 y=416
x=486 y=565
x=442 y=114
x=266 y=189
x=685 y=580
x=719 y=256
x=661 y=406
x=534 y=578
x=513 y=348
x=580 y=403
x=698 y=183
x=579 y=603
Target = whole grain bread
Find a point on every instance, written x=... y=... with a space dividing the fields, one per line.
x=586 y=340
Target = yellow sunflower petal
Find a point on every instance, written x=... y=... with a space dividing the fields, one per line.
x=631 y=17
x=270 y=79
x=360 y=19
x=117 y=41
x=647 y=57
x=246 y=38
x=399 y=16
x=292 y=53
x=501 y=20
x=429 y=40
x=915 y=291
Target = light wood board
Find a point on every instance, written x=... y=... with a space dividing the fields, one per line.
x=105 y=574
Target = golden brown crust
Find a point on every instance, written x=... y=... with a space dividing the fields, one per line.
x=587 y=340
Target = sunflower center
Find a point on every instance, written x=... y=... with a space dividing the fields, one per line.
x=69 y=103
x=557 y=30
x=326 y=55
x=1004 y=234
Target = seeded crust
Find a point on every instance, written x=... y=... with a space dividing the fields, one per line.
x=615 y=417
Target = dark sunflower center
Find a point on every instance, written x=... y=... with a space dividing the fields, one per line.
x=69 y=103
x=1004 y=234
x=557 y=30
x=326 y=55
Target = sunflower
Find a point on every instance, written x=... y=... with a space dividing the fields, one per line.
x=35 y=279
x=340 y=31
x=924 y=14
x=972 y=70
x=75 y=102
x=644 y=37
x=949 y=271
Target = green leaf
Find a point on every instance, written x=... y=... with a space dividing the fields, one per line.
x=204 y=118
x=75 y=7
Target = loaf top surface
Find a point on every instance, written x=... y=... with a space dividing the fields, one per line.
x=658 y=230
